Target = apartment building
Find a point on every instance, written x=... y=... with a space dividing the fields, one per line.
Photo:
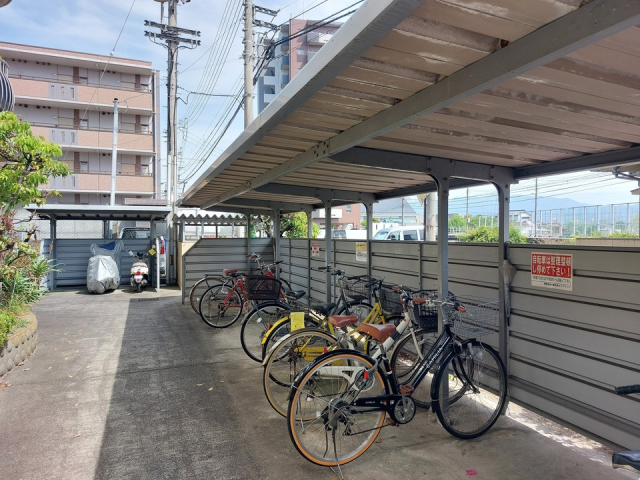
x=291 y=55
x=68 y=98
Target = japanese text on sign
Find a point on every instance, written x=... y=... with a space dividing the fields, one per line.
x=315 y=249
x=552 y=270
x=361 y=252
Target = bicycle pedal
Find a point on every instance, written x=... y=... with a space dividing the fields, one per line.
x=391 y=422
x=406 y=389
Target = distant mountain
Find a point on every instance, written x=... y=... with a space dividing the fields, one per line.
x=484 y=206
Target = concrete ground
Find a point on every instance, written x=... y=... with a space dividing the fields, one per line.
x=136 y=386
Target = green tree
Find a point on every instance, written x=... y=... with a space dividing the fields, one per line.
x=457 y=221
x=363 y=223
x=27 y=164
x=490 y=235
x=294 y=225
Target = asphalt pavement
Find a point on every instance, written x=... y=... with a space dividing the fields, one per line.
x=136 y=386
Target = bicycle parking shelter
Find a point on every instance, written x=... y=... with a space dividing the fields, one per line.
x=73 y=254
x=416 y=97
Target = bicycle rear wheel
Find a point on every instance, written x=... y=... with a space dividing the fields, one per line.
x=283 y=329
x=287 y=359
x=198 y=289
x=220 y=306
x=407 y=355
x=323 y=424
x=257 y=323
x=471 y=389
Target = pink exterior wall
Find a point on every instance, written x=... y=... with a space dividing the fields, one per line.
x=102 y=183
x=98 y=139
x=85 y=94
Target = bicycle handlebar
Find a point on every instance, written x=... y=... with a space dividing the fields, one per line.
x=627 y=389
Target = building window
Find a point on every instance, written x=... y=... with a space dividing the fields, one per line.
x=84 y=166
x=348 y=208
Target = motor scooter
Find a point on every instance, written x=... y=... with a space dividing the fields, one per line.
x=139 y=270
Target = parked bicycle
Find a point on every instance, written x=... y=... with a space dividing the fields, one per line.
x=293 y=352
x=339 y=402
x=352 y=300
x=629 y=460
x=209 y=280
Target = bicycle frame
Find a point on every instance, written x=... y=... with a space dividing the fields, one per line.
x=375 y=314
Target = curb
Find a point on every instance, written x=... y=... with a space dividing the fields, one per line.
x=19 y=344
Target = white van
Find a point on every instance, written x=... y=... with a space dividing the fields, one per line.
x=414 y=232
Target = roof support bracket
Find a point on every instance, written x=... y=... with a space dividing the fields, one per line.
x=320 y=193
x=434 y=166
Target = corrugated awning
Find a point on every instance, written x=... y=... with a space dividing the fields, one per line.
x=100 y=212
x=477 y=91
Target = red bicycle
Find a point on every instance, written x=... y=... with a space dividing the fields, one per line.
x=221 y=304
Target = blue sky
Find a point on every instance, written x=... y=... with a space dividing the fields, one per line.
x=97 y=26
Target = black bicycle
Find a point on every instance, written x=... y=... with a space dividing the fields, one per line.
x=339 y=403
x=629 y=460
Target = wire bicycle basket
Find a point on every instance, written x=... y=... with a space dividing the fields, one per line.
x=480 y=318
x=262 y=288
x=356 y=288
x=425 y=314
x=390 y=300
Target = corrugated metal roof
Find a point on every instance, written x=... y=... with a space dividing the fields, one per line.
x=536 y=87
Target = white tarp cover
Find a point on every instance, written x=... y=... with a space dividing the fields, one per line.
x=102 y=274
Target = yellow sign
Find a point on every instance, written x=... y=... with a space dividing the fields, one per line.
x=361 y=252
x=152 y=251
x=297 y=320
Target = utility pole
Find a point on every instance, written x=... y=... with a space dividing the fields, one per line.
x=169 y=33
x=248 y=62
x=466 y=217
x=535 y=212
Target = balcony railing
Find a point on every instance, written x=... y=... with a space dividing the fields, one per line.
x=101 y=182
x=141 y=131
x=142 y=88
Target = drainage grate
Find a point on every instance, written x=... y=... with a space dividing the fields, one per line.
x=147 y=299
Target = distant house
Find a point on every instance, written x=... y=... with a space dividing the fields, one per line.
x=407 y=211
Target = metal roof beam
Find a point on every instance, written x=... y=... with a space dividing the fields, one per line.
x=259 y=206
x=320 y=193
x=428 y=187
x=584 y=26
x=434 y=166
x=584 y=162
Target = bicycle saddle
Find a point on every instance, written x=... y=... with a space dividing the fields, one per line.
x=629 y=460
x=343 y=320
x=228 y=271
x=323 y=308
x=378 y=332
x=297 y=294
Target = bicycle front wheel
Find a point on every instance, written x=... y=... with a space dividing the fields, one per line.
x=257 y=323
x=408 y=353
x=471 y=389
x=220 y=306
x=287 y=359
x=324 y=425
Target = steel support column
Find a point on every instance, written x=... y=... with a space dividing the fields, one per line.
x=328 y=245
x=369 y=209
x=248 y=243
x=53 y=251
x=443 y=239
x=276 y=239
x=504 y=194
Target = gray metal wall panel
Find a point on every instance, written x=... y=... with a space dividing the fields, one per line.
x=72 y=258
x=212 y=255
x=567 y=349
x=578 y=345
